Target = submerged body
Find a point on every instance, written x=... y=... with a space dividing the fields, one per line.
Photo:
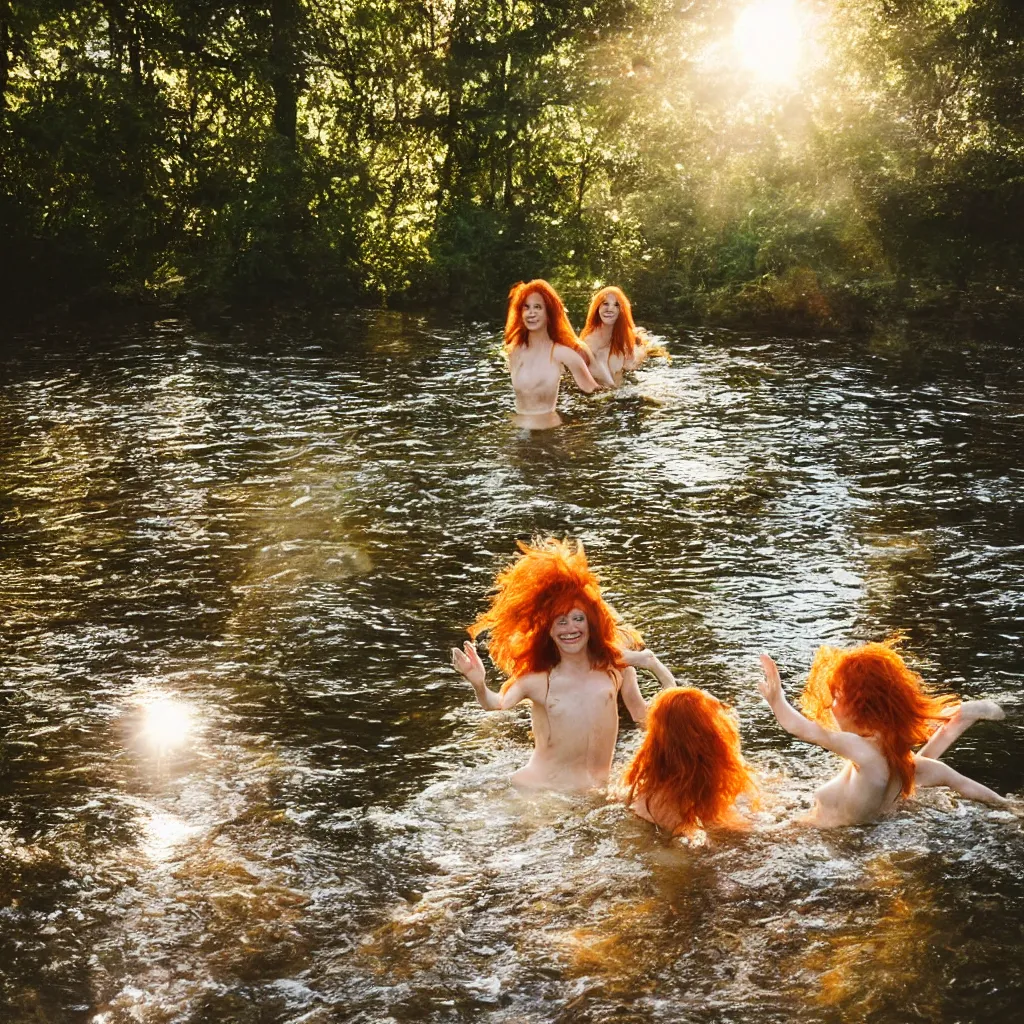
x=575 y=719
x=563 y=651
x=615 y=343
x=573 y=707
x=875 y=779
x=536 y=371
x=540 y=345
x=689 y=770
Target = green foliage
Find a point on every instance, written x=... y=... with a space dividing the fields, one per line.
x=439 y=151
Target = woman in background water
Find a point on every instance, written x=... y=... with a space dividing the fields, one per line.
x=540 y=344
x=616 y=343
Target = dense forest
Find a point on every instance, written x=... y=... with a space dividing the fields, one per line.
x=812 y=163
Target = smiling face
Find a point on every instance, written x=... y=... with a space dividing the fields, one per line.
x=571 y=633
x=534 y=312
x=609 y=310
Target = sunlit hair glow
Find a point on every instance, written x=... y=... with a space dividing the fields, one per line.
x=558 y=327
x=689 y=765
x=548 y=580
x=623 y=340
x=881 y=696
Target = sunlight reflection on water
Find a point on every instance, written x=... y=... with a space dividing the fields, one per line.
x=241 y=783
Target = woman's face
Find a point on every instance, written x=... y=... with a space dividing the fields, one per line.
x=535 y=313
x=609 y=310
x=571 y=632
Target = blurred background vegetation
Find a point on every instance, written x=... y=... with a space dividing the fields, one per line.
x=814 y=165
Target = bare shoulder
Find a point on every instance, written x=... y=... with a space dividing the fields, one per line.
x=865 y=754
x=533 y=684
x=565 y=354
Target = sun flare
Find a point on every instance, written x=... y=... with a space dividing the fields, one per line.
x=167 y=724
x=767 y=37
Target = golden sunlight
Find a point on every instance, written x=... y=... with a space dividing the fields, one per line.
x=167 y=724
x=767 y=37
x=163 y=833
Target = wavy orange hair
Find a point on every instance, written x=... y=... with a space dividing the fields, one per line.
x=549 y=579
x=690 y=761
x=624 y=330
x=558 y=327
x=882 y=696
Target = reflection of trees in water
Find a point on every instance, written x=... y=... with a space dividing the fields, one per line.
x=578 y=919
x=867 y=956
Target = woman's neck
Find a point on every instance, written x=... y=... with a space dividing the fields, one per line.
x=576 y=662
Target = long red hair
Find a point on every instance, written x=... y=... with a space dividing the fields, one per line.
x=690 y=762
x=547 y=580
x=882 y=696
x=624 y=330
x=558 y=327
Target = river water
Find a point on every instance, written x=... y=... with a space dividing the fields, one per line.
x=239 y=781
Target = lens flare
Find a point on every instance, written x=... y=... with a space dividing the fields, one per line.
x=767 y=37
x=167 y=724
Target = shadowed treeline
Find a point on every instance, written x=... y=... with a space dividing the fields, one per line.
x=865 y=167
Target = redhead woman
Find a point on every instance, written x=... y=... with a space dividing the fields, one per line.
x=616 y=343
x=562 y=649
x=867 y=706
x=540 y=344
x=689 y=771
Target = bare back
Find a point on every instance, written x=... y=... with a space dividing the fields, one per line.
x=575 y=723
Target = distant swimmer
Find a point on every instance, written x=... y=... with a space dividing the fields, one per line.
x=563 y=650
x=867 y=706
x=540 y=344
x=616 y=343
x=689 y=770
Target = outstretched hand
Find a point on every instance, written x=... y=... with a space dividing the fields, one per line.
x=770 y=684
x=467 y=662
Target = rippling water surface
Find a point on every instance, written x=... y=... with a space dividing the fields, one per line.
x=238 y=781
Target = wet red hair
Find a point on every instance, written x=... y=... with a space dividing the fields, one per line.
x=623 y=332
x=882 y=696
x=689 y=763
x=548 y=580
x=558 y=327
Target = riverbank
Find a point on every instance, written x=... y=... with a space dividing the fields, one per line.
x=797 y=304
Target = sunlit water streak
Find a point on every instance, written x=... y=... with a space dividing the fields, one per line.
x=238 y=781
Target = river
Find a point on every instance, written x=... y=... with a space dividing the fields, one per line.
x=240 y=782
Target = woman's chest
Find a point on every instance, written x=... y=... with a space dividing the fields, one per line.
x=532 y=371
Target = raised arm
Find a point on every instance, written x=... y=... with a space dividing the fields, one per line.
x=647 y=659
x=847 y=744
x=577 y=366
x=467 y=662
x=632 y=697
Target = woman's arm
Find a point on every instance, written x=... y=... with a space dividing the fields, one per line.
x=847 y=744
x=467 y=662
x=632 y=697
x=577 y=366
x=526 y=687
x=929 y=772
